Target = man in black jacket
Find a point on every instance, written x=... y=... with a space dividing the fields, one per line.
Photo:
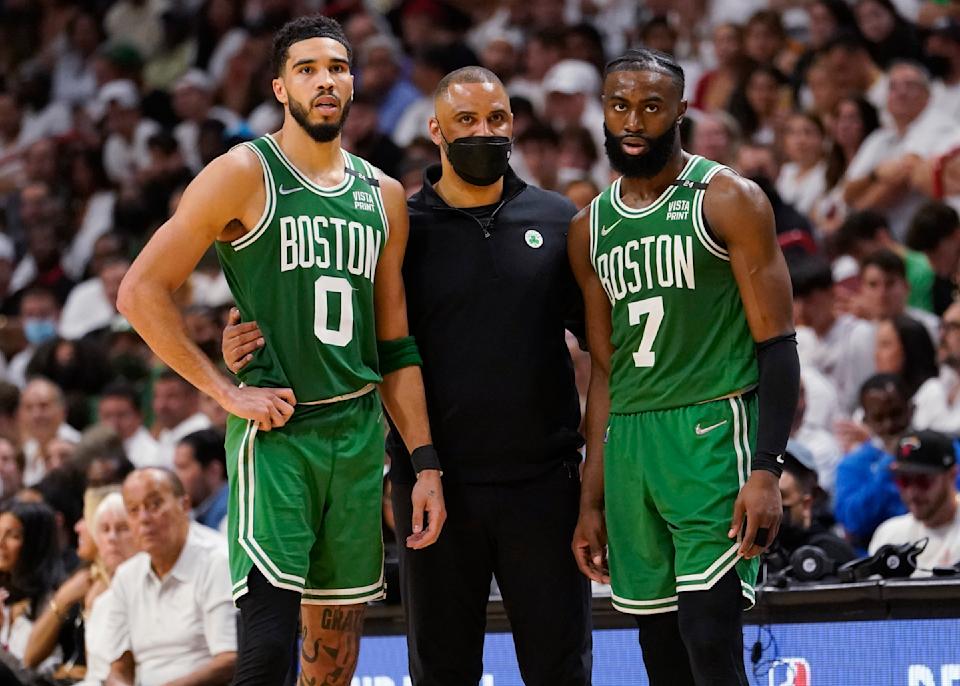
x=489 y=294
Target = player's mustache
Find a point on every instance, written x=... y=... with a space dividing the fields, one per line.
x=634 y=136
x=331 y=94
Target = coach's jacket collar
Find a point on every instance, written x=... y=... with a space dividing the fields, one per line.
x=512 y=185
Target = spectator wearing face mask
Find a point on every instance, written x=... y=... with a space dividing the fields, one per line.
x=801 y=496
x=39 y=317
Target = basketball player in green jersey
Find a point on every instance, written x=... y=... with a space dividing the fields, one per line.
x=311 y=240
x=689 y=322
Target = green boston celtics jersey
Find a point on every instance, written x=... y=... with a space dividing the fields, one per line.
x=305 y=274
x=680 y=334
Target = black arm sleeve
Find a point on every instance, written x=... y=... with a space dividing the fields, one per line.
x=778 y=393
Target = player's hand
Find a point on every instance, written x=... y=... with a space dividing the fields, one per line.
x=590 y=544
x=427 y=498
x=239 y=342
x=759 y=501
x=270 y=408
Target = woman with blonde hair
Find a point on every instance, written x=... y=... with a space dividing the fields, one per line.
x=105 y=541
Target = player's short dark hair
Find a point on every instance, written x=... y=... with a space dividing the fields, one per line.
x=932 y=224
x=810 y=274
x=207 y=446
x=302 y=28
x=645 y=59
x=860 y=226
x=886 y=261
x=885 y=383
x=472 y=74
x=122 y=389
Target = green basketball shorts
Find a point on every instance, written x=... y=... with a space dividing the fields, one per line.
x=305 y=502
x=671 y=478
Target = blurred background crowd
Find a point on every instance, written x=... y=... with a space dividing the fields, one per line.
x=845 y=112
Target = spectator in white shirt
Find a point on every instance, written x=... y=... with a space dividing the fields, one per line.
x=803 y=181
x=125 y=151
x=176 y=409
x=938 y=400
x=39 y=317
x=943 y=55
x=571 y=90
x=171 y=616
x=880 y=175
x=838 y=345
x=925 y=471
x=74 y=79
x=825 y=452
x=92 y=304
x=42 y=415
x=119 y=408
x=884 y=292
x=193 y=98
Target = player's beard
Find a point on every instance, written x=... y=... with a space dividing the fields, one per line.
x=647 y=165
x=321 y=133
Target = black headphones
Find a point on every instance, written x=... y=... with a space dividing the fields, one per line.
x=890 y=562
x=807 y=563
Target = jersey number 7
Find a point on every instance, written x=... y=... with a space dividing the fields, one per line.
x=653 y=308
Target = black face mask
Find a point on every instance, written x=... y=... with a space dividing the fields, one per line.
x=479 y=160
x=791 y=535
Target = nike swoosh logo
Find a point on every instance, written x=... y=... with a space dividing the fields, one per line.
x=707 y=429
x=607 y=229
x=779 y=459
x=288 y=191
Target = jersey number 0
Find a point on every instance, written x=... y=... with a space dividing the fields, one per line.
x=323 y=288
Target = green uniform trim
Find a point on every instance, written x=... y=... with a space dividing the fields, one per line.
x=671 y=479
x=679 y=330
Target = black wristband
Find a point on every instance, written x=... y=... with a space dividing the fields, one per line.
x=425 y=457
x=768 y=462
x=778 y=392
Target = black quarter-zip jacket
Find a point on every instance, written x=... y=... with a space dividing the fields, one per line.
x=488 y=302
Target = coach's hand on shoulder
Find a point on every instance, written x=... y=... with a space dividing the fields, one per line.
x=240 y=341
x=427 y=498
x=759 y=501
x=590 y=544
x=270 y=408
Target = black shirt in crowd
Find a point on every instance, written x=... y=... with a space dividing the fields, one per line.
x=489 y=294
